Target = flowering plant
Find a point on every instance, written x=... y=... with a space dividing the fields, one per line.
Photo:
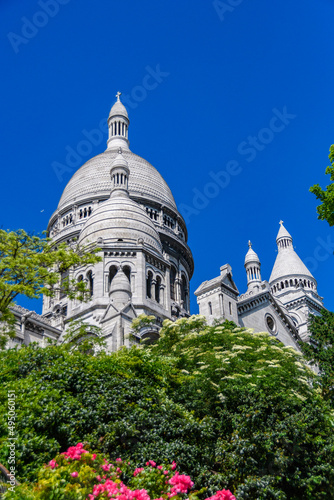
x=79 y=474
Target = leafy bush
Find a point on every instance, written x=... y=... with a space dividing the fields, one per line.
x=78 y=474
x=236 y=410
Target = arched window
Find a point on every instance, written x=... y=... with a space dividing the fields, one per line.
x=230 y=308
x=149 y=285
x=63 y=283
x=90 y=283
x=112 y=273
x=184 y=292
x=210 y=308
x=127 y=272
x=172 y=282
x=157 y=289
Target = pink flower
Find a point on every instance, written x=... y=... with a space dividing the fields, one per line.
x=74 y=474
x=138 y=470
x=181 y=484
x=53 y=464
x=222 y=495
x=105 y=467
x=118 y=459
x=173 y=465
x=166 y=472
x=159 y=467
x=75 y=452
x=94 y=456
x=150 y=462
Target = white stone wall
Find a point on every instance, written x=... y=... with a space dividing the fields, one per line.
x=256 y=319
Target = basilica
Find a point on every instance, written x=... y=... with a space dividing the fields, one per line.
x=119 y=203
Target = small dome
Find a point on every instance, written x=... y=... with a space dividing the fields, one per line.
x=120 y=219
x=120 y=290
x=120 y=283
x=251 y=256
x=118 y=109
x=120 y=161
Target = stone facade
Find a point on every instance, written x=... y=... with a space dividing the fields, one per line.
x=119 y=203
x=280 y=307
x=31 y=327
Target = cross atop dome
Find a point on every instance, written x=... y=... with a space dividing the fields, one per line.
x=281 y=223
x=249 y=243
x=118 y=96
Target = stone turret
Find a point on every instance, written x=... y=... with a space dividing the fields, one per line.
x=253 y=269
x=118 y=125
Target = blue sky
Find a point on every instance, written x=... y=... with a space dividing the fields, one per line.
x=239 y=123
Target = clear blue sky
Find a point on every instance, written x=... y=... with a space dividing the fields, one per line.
x=226 y=74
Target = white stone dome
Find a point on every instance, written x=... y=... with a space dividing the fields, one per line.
x=287 y=264
x=120 y=219
x=251 y=256
x=118 y=109
x=92 y=180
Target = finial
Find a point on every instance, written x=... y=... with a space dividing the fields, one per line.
x=281 y=223
x=249 y=243
x=120 y=151
x=117 y=95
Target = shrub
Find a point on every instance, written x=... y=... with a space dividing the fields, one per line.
x=78 y=474
x=236 y=410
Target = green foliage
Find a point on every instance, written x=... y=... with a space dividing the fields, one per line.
x=320 y=350
x=31 y=266
x=326 y=209
x=78 y=474
x=141 y=321
x=236 y=410
x=84 y=337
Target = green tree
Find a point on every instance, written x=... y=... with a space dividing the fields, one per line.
x=320 y=350
x=31 y=266
x=236 y=410
x=326 y=196
x=83 y=337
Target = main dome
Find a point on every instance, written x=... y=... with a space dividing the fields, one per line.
x=93 y=180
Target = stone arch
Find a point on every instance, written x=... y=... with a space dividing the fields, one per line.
x=127 y=271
